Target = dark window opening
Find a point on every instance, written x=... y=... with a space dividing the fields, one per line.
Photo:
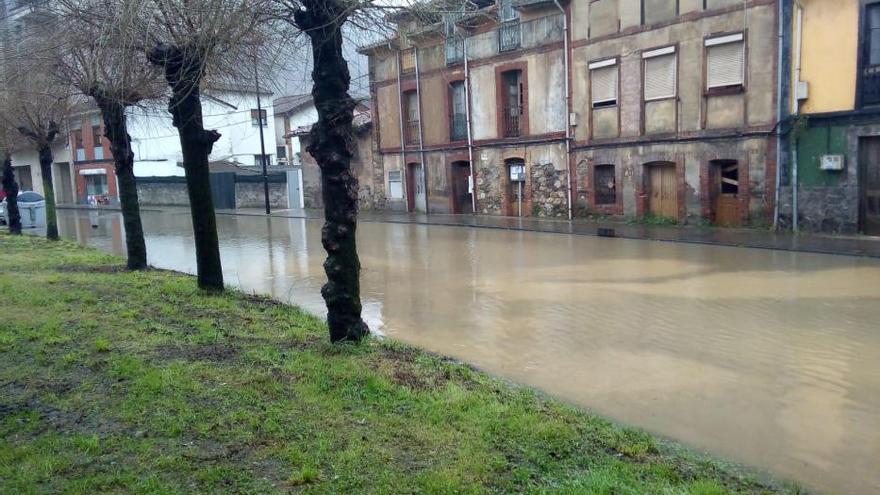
x=729 y=178
x=605 y=182
x=458 y=119
x=513 y=101
x=411 y=113
x=870 y=82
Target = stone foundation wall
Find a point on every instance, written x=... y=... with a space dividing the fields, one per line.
x=252 y=195
x=162 y=193
x=489 y=189
x=549 y=191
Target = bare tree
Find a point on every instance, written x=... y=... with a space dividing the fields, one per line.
x=191 y=42
x=102 y=60
x=10 y=187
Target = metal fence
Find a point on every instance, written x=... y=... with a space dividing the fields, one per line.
x=509 y=36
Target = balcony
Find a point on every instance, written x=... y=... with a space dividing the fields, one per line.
x=509 y=36
x=870 y=85
x=454 y=50
x=458 y=129
x=411 y=129
x=513 y=121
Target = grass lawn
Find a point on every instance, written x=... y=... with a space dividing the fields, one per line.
x=117 y=382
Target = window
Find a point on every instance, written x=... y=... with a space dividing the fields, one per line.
x=509 y=34
x=258 y=160
x=411 y=113
x=454 y=40
x=259 y=117
x=603 y=83
x=96 y=136
x=458 y=119
x=96 y=184
x=395 y=186
x=281 y=152
x=513 y=102
x=870 y=80
x=408 y=61
x=605 y=185
x=725 y=61
x=79 y=146
x=660 y=73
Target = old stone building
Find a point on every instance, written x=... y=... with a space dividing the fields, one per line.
x=634 y=108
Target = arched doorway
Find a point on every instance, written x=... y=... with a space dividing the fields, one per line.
x=661 y=189
x=724 y=191
x=462 y=190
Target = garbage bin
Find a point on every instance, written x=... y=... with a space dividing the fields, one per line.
x=32 y=207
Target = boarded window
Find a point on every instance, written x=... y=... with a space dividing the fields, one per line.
x=605 y=185
x=660 y=74
x=408 y=61
x=725 y=61
x=654 y=11
x=395 y=187
x=603 y=83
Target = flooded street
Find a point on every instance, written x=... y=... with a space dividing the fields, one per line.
x=771 y=358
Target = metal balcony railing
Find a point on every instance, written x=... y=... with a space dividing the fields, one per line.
x=513 y=121
x=454 y=50
x=412 y=132
x=408 y=61
x=458 y=130
x=509 y=36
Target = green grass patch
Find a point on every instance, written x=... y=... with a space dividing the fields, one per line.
x=118 y=382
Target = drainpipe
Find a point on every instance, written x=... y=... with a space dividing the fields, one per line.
x=797 y=111
x=470 y=133
x=421 y=130
x=404 y=170
x=779 y=106
x=567 y=103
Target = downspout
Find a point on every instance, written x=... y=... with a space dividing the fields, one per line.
x=797 y=111
x=421 y=132
x=403 y=168
x=779 y=103
x=470 y=134
x=567 y=103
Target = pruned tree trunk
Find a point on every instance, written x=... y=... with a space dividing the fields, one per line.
x=45 y=152
x=116 y=130
x=183 y=73
x=331 y=139
x=10 y=188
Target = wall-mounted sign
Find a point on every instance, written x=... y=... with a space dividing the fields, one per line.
x=518 y=173
x=831 y=162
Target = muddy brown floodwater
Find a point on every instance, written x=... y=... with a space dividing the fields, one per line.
x=770 y=358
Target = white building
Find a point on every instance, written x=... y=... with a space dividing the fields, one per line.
x=290 y=113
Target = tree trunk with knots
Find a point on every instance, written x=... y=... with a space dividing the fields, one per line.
x=331 y=142
x=116 y=131
x=10 y=188
x=183 y=72
x=45 y=153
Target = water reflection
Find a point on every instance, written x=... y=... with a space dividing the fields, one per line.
x=768 y=357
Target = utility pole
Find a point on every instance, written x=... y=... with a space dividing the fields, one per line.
x=263 y=157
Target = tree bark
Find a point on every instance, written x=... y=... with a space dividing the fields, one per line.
x=10 y=188
x=331 y=141
x=183 y=73
x=45 y=152
x=116 y=130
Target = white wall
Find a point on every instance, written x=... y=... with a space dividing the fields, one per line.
x=28 y=157
x=156 y=143
x=306 y=115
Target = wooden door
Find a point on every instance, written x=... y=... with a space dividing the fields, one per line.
x=869 y=185
x=662 y=191
x=727 y=204
x=461 y=194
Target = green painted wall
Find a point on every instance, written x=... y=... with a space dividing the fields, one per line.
x=813 y=142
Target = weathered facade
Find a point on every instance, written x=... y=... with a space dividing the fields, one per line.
x=832 y=96
x=634 y=108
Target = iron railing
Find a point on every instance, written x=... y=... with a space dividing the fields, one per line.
x=454 y=50
x=513 y=121
x=509 y=36
x=458 y=130
x=412 y=132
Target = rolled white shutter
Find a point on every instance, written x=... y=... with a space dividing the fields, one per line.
x=660 y=77
x=725 y=64
x=604 y=84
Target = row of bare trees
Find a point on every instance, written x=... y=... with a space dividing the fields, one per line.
x=123 y=53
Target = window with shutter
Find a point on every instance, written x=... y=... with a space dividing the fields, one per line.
x=603 y=83
x=660 y=74
x=725 y=61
